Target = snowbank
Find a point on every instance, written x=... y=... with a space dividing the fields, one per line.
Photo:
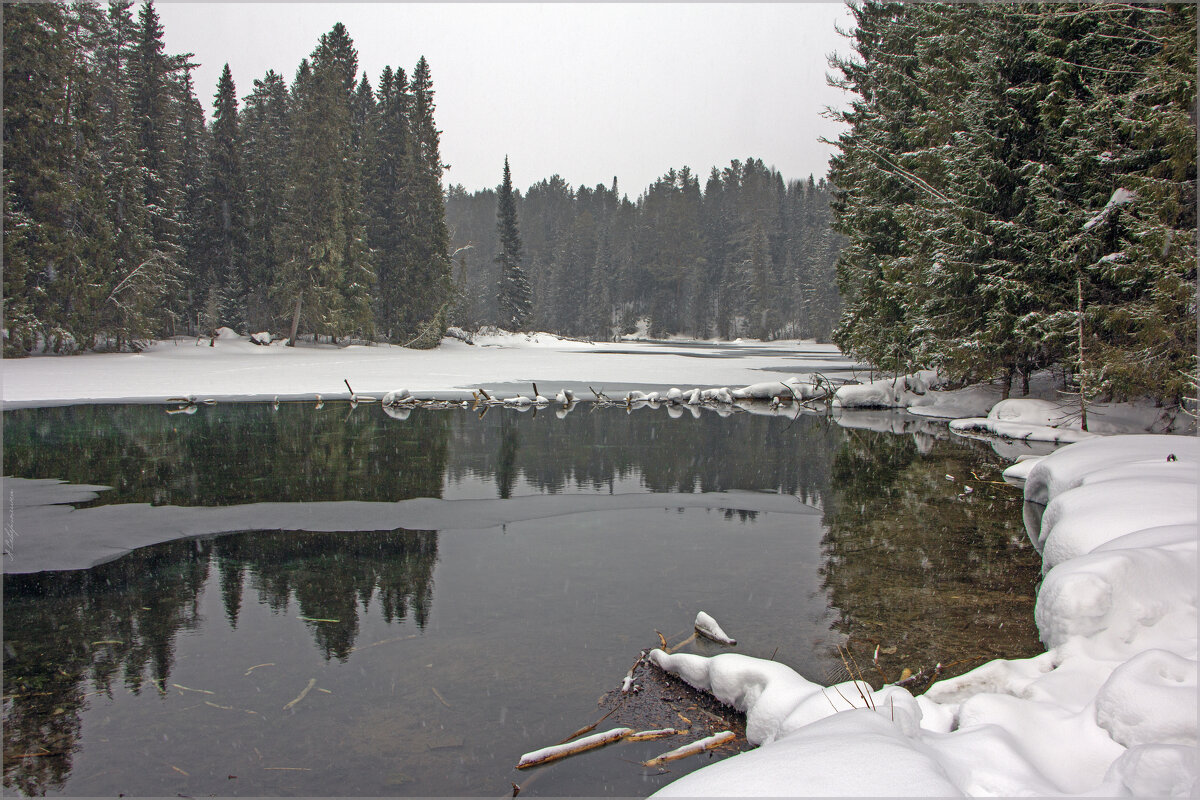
x=236 y=369
x=1108 y=709
x=1044 y=416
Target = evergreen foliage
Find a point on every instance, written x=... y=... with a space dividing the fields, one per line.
x=751 y=254
x=1017 y=186
x=514 y=296
x=128 y=218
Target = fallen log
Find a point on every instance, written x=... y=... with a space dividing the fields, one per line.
x=557 y=751
x=698 y=746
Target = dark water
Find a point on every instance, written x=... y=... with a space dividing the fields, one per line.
x=425 y=662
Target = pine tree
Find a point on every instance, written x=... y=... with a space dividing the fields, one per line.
x=515 y=303
x=387 y=184
x=36 y=181
x=326 y=274
x=265 y=129
x=427 y=278
x=227 y=277
x=154 y=110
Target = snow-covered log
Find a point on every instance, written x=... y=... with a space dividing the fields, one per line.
x=557 y=751
x=698 y=746
x=707 y=627
x=398 y=396
x=717 y=395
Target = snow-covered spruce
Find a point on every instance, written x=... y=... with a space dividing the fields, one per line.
x=1109 y=709
x=707 y=627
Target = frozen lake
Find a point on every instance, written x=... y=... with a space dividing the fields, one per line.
x=425 y=658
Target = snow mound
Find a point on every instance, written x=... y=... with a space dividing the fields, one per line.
x=899 y=392
x=1108 y=709
x=1069 y=466
x=707 y=626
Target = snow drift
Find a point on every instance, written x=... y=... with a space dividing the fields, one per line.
x=1108 y=709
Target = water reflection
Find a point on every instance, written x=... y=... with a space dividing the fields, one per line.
x=925 y=556
x=72 y=635
x=908 y=559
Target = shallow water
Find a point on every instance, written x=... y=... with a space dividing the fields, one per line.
x=425 y=662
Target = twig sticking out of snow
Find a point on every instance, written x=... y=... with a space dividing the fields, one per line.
x=557 y=751
x=698 y=746
x=707 y=627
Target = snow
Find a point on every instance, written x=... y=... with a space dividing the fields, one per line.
x=559 y=750
x=1108 y=710
x=234 y=369
x=1119 y=198
x=707 y=626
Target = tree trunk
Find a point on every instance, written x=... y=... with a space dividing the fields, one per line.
x=291 y=342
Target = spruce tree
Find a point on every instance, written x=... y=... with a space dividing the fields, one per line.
x=514 y=300
x=427 y=274
x=265 y=128
x=326 y=274
x=154 y=108
x=226 y=275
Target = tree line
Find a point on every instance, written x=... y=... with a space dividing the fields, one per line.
x=314 y=208
x=1017 y=188
x=749 y=255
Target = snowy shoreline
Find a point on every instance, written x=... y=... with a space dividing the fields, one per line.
x=1109 y=709
x=235 y=370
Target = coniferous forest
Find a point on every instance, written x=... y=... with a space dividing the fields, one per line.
x=317 y=209
x=749 y=255
x=1018 y=191
x=309 y=209
x=1014 y=191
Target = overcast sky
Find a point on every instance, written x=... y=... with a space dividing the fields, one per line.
x=588 y=91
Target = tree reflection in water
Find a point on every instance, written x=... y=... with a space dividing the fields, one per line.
x=923 y=559
x=911 y=560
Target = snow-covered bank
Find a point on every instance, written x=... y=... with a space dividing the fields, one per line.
x=1108 y=709
x=235 y=369
x=1046 y=415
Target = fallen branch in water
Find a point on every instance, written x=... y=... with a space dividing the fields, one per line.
x=311 y=683
x=643 y=736
x=698 y=746
x=555 y=752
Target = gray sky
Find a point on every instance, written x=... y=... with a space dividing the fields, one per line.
x=587 y=91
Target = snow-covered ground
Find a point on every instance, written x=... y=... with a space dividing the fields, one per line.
x=1046 y=415
x=234 y=369
x=1108 y=710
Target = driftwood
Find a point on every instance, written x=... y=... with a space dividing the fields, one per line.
x=643 y=736
x=698 y=746
x=555 y=752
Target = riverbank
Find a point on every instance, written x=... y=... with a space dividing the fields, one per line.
x=1108 y=709
x=233 y=369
